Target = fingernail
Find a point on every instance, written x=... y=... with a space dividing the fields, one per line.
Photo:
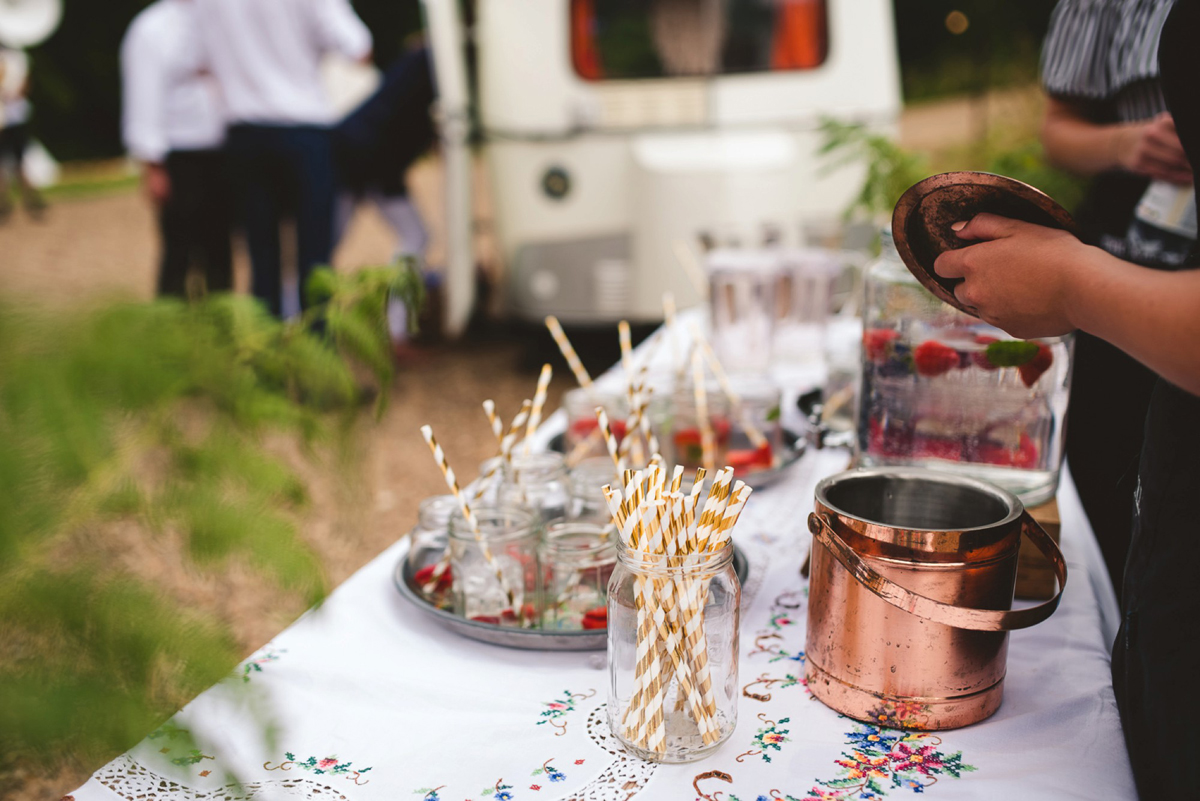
x=958 y=226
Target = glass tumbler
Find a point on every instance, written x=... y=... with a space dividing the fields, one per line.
x=576 y=561
x=672 y=653
x=744 y=290
x=496 y=590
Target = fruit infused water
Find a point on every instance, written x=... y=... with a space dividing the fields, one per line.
x=732 y=443
x=944 y=390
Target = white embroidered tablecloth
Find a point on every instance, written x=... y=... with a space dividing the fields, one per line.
x=371 y=700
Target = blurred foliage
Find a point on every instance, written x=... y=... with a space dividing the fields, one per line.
x=138 y=427
x=890 y=169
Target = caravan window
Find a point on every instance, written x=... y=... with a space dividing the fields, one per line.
x=628 y=39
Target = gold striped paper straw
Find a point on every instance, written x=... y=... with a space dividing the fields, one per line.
x=568 y=352
x=626 y=339
x=514 y=431
x=735 y=400
x=489 y=408
x=707 y=456
x=714 y=506
x=610 y=440
x=443 y=464
x=485 y=481
x=539 y=401
x=724 y=527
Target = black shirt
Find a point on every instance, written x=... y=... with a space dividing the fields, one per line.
x=1154 y=658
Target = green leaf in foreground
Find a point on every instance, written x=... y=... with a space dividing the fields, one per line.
x=134 y=427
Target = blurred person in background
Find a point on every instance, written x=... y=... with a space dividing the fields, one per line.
x=266 y=56
x=375 y=146
x=15 y=111
x=1106 y=117
x=173 y=125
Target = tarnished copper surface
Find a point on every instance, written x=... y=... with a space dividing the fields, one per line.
x=919 y=634
x=922 y=218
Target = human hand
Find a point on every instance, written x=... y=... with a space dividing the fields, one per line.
x=1019 y=276
x=156 y=183
x=1153 y=149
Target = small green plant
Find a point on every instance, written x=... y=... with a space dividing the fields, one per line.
x=889 y=168
x=140 y=423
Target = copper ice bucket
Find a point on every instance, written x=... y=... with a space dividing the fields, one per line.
x=910 y=595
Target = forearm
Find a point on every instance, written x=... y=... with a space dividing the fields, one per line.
x=1083 y=147
x=1152 y=315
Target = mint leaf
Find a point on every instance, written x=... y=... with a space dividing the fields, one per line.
x=1011 y=353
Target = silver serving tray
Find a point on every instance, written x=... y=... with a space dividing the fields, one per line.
x=527 y=639
x=758 y=479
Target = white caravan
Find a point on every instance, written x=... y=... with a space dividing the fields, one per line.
x=615 y=128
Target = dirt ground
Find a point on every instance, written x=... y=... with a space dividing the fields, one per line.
x=95 y=247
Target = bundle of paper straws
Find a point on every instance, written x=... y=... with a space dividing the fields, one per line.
x=668 y=529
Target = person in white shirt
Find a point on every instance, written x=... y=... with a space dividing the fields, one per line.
x=173 y=124
x=14 y=132
x=266 y=56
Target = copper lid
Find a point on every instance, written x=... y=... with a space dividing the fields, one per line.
x=923 y=216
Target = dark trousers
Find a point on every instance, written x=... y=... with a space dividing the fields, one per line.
x=279 y=172
x=196 y=223
x=1110 y=393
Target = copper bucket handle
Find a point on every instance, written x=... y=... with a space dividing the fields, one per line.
x=947 y=614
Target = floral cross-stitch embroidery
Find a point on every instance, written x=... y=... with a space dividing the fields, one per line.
x=500 y=792
x=556 y=710
x=329 y=765
x=769 y=738
x=254 y=664
x=882 y=759
x=550 y=772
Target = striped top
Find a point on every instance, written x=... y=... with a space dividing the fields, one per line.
x=1105 y=52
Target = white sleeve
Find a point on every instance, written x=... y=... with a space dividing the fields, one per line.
x=143 y=91
x=339 y=29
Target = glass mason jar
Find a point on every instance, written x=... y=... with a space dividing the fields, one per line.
x=576 y=561
x=537 y=482
x=511 y=537
x=582 y=437
x=485 y=489
x=673 y=685
x=942 y=388
x=429 y=540
x=587 y=497
x=682 y=441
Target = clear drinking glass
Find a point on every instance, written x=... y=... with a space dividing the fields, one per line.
x=942 y=388
x=510 y=536
x=429 y=540
x=804 y=303
x=688 y=661
x=577 y=561
x=587 y=497
x=538 y=482
x=744 y=292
